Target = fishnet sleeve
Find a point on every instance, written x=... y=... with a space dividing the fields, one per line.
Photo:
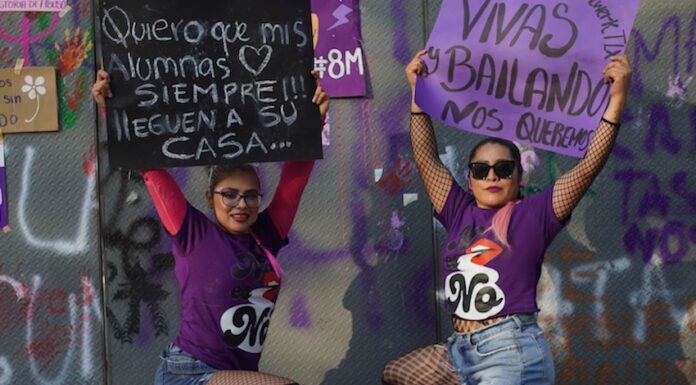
x=436 y=177
x=570 y=188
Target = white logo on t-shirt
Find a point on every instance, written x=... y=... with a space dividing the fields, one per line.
x=472 y=291
x=245 y=326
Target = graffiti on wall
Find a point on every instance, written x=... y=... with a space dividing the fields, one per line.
x=617 y=310
x=61 y=331
x=658 y=204
x=52 y=331
x=136 y=245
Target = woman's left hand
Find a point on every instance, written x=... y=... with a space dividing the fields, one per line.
x=619 y=73
x=320 y=98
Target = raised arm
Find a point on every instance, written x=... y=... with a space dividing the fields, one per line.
x=436 y=178
x=286 y=200
x=169 y=201
x=571 y=187
x=294 y=177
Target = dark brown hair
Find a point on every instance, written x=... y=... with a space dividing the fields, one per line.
x=501 y=220
x=222 y=171
x=514 y=151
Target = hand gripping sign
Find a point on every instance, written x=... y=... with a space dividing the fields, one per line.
x=529 y=71
x=209 y=82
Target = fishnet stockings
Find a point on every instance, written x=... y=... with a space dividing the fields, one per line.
x=570 y=188
x=431 y=365
x=436 y=177
x=468 y=326
x=240 y=377
x=425 y=366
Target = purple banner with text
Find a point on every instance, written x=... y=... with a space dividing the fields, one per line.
x=338 y=55
x=530 y=71
x=3 y=187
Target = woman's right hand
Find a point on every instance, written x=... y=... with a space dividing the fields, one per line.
x=101 y=89
x=415 y=68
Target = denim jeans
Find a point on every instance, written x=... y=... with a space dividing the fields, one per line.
x=511 y=352
x=180 y=368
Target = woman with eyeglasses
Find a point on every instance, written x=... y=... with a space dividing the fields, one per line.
x=228 y=275
x=496 y=240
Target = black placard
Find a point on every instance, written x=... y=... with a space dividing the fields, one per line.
x=209 y=81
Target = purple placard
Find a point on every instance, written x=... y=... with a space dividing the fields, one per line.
x=339 y=59
x=529 y=72
x=3 y=187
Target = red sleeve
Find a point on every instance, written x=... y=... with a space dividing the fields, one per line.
x=283 y=208
x=167 y=197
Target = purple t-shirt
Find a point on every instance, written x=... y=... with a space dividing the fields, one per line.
x=483 y=278
x=228 y=290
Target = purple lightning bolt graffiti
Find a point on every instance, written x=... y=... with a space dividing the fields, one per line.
x=339 y=59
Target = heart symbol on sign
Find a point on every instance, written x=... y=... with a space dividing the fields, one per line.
x=259 y=53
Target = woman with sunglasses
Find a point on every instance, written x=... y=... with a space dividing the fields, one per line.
x=496 y=240
x=226 y=268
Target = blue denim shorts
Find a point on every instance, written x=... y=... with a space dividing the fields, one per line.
x=511 y=352
x=180 y=368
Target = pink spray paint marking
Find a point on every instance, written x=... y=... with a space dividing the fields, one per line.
x=26 y=39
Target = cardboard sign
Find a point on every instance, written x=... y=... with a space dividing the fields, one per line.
x=338 y=56
x=209 y=82
x=530 y=71
x=28 y=100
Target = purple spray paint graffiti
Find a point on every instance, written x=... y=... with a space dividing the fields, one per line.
x=299 y=313
x=658 y=207
x=3 y=187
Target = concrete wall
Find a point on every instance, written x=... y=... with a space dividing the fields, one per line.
x=87 y=293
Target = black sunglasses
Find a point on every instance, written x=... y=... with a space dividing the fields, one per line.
x=503 y=169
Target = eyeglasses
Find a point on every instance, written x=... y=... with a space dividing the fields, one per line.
x=503 y=169
x=231 y=198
